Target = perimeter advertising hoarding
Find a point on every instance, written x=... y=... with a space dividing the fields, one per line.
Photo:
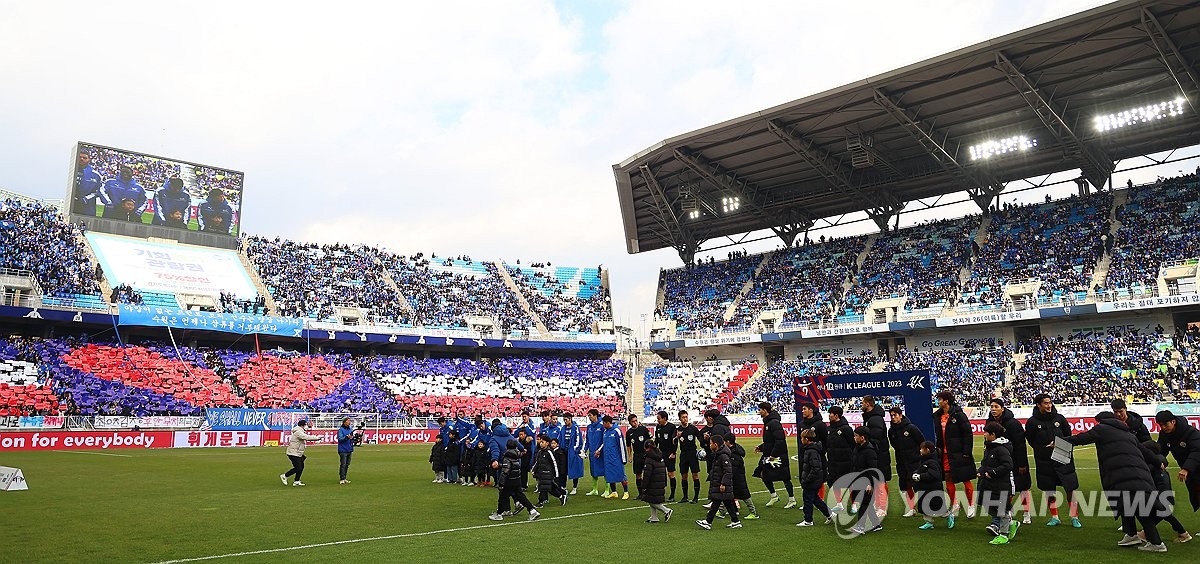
x=126 y=186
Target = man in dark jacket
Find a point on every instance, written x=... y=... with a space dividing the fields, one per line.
x=1126 y=480
x=906 y=439
x=995 y=483
x=873 y=420
x=811 y=419
x=955 y=441
x=812 y=476
x=1015 y=433
x=1131 y=419
x=525 y=441
x=1043 y=426
x=720 y=484
x=774 y=465
x=1179 y=439
x=346 y=440
x=508 y=475
x=839 y=451
x=635 y=440
x=654 y=483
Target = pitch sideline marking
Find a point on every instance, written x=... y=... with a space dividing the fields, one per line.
x=399 y=536
x=95 y=453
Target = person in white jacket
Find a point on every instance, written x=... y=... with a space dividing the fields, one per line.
x=295 y=451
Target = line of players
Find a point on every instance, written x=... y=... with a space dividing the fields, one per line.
x=927 y=470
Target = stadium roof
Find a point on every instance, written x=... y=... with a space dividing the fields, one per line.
x=907 y=134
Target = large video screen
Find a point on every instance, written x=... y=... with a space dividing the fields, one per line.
x=126 y=186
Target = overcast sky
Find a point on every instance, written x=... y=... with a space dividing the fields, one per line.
x=480 y=128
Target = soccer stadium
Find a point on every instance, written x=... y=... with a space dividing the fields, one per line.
x=948 y=312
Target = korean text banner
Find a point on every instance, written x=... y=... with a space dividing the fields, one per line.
x=163 y=267
x=243 y=323
x=123 y=185
x=233 y=419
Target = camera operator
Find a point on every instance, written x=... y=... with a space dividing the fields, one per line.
x=347 y=439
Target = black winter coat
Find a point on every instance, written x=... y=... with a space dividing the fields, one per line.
x=839 y=450
x=437 y=456
x=812 y=466
x=955 y=441
x=720 y=474
x=995 y=472
x=1040 y=430
x=774 y=445
x=453 y=456
x=1015 y=433
x=865 y=457
x=906 y=440
x=482 y=461
x=510 y=469
x=1137 y=426
x=874 y=421
x=737 y=456
x=1123 y=469
x=817 y=425
x=720 y=428
x=654 y=478
x=931 y=496
x=545 y=469
x=1184 y=445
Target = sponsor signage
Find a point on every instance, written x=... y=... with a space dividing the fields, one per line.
x=201 y=439
x=12 y=479
x=83 y=440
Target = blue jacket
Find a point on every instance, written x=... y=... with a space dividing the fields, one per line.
x=444 y=433
x=595 y=437
x=87 y=191
x=208 y=212
x=464 y=427
x=345 y=439
x=166 y=201
x=115 y=191
x=499 y=441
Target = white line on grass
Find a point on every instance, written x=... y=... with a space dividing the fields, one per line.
x=90 y=452
x=399 y=536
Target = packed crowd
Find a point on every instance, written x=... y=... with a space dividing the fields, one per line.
x=572 y=305
x=805 y=281
x=1058 y=243
x=125 y=294
x=1093 y=368
x=229 y=303
x=443 y=292
x=922 y=263
x=697 y=296
x=310 y=280
x=34 y=237
x=972 y=374
x=1157 y=226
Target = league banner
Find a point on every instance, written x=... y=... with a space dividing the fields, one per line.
x=203 y=439
x=164 y=267
x=241 y=419
x=244 y=323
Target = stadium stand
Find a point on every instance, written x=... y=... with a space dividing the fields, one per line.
x=504 y=386
x=565 y=298
x=973 y=375
x=696 y=296
x=922 y=263
x=309 y=280
x=1094 y=368
x=775 y=384
x=34 y=237
x=805 y=281
x=442 y=291
x=1158 y=225
x=1058 y=243
x=696 y=388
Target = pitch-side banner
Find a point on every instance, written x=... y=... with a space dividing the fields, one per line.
x=244 y=323
x=162 y=267
x=83 y=440
x=202 y=439
x=241 y=419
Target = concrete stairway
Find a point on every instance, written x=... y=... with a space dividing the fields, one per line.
x=1100 y=272
x=749 y=285
x=105 y=287
x=259 y=286
x=391 y=282
x=848 y=283
x=516 y=291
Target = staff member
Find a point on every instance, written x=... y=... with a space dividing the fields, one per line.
x=1043 y=426
x=346 y=441
x=1179 y=439
x=906 y=439
x=295 y=452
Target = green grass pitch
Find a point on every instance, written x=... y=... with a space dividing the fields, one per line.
x=158 y=505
